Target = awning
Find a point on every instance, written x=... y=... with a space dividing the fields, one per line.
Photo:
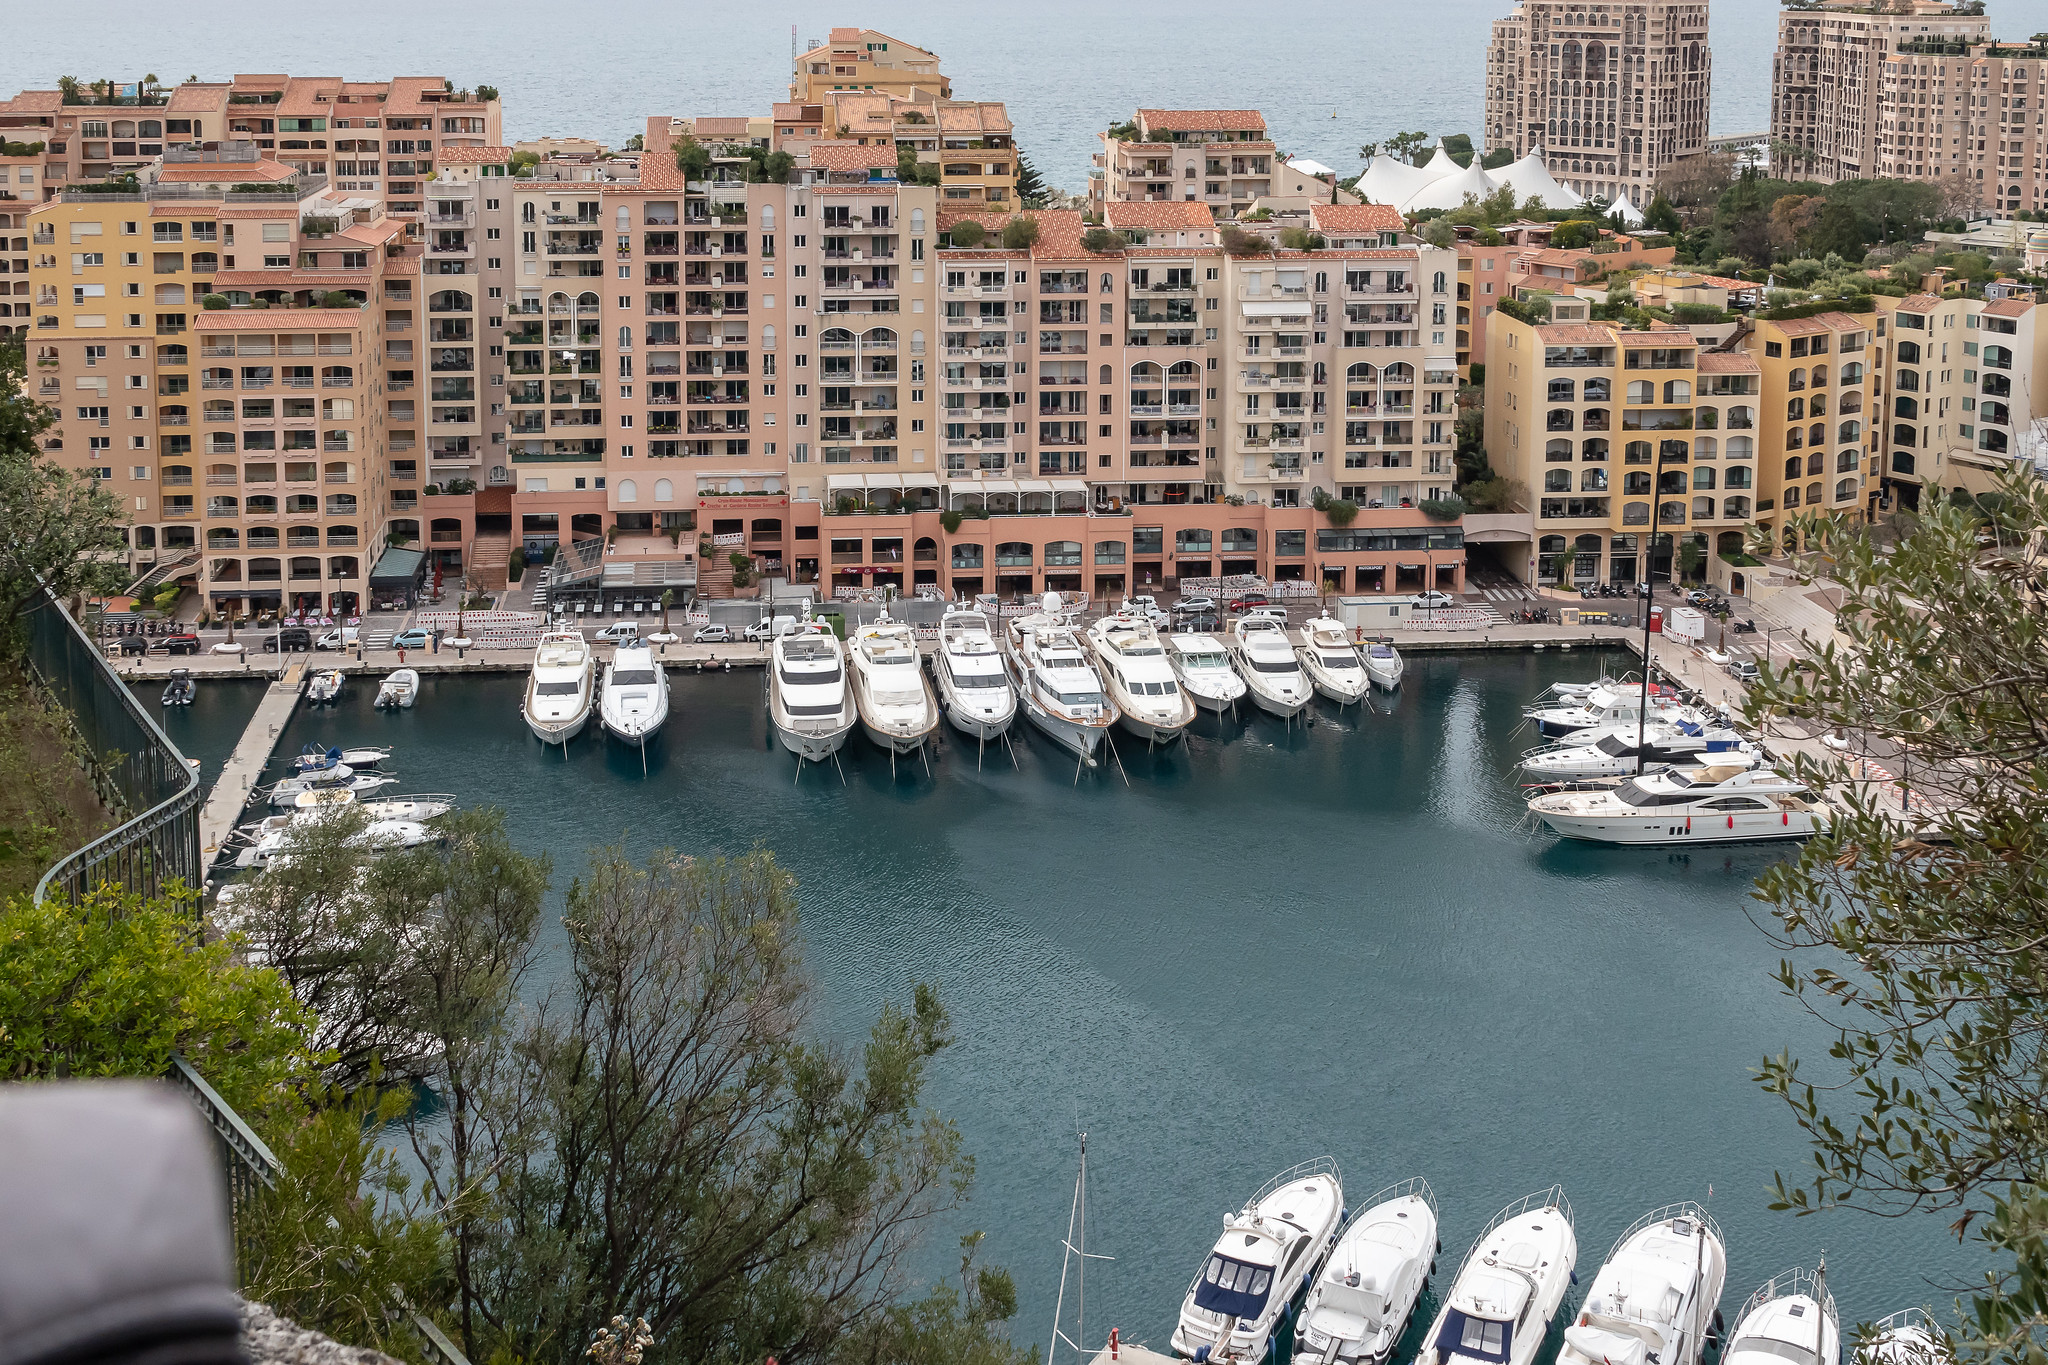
x=1033 y=486
x=1274 y=310
x=920 y=479
x=1399 y=565
x=990 y=486
x=1070 y=486
x=398 y=565
x=836 y=482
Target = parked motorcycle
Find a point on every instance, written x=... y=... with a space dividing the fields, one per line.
x=1743 y=628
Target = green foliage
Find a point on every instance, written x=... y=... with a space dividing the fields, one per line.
x=1019 y=233
x=950 y=520
x=1407 y=147
x=166 y=598
x=1562 y=563
x=1855 y=304
x=1443 y=509
x=116 y=984
x=1301 y=239
x=213 y=303
x=767 y=168
x=693 y=158
x=21 y=148
x=1237 y=242
x=1459 y=147
x=1699 y=313
x=1575 y=234
x=487 y=93
x=334 y=298
x=1341 y=512
x=742 y=569
x=515 y=566
x=947 y=1326
x=1497 y=158
x=1101 y=239
x=1126 y=131
x=1494 y=494
x=319 y=224
x=522 y=163
x=1692 y=557
x=635 y=143
x=1922 y=937
x=1032 y=191
x=1522 y=311
x=968 y=232
x=1661 y=216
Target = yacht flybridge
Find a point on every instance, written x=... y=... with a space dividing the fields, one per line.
x=1603 y=706
x=1622 y=750
x=1259 y=648
x=1330 y=660
x=1362 y=1301
x=973 y=686
x=634 y=702
x=1790 y=1320
x=1268 y=1252
x=1203 y=667
x=561 y=687
x=1059 y=690
x=1498 y=1310
x=1140 y=678
x=809 y=702
x=897 y=709
x=1655 y=1301
x=1727 y=803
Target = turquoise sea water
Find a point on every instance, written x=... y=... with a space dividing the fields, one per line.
x=1274 y=944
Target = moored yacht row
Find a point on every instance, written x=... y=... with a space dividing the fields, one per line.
x=1349 y=1283
x=563 y=691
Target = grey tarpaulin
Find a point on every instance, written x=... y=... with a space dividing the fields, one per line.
x=114 y=1244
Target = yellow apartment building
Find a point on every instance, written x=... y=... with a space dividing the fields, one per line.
x=1814 y=413
x=864 y=59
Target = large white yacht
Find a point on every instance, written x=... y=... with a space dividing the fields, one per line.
x=1791 y=1318
x=633 y=703
x=809 y=702
x=1383 y=663
x=1139 y=677
x=897 y=709
x=1203 y=667
x=968 y=667
x=1718 y=805
x=1259 y=648
x=1057 y=688
x=1656 y=1297
x=1331 y=661
x=339 y=778
x=1908 y=1337
x=1614 y=750
x=561 y=688
x=1498 y=1310
x=1267 y=1253
x=1603 y=706
x=1362 y=1301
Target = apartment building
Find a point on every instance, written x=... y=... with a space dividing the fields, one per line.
x=1524 y=259
x=864 y=59
x=1607 y=94
x=269 y=404
x=1619 y=434
x=1218 y=157
x=20 y=181
x=1816 y=400
x=1953 y=384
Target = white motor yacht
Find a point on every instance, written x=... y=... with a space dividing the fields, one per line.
x=1058 y=690
x=809 y=703
x=1139 y=677
x=1613 y=751
x=325 y=686
x=1603 y=706
x=1268 y=1253
x=266 y=836
x=1259 y=648
x=1362 y=1301
x=633 y=702
x=1383 y=663
x=379 y=836
x=313 y=757
x=973 y=685
x=897 y=709
x=1715 y=805
x=1905 y=1338
x=1498 y=1310
x=1791 y=1318
x=1203 y=667
x=400 y=688
x=1331 y=661
x=1656 y=1298
x=561 y=688
x=338 y=778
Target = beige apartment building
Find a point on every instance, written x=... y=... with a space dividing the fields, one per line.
x=863 y=59
x=1608 y=94
x=1218 y=157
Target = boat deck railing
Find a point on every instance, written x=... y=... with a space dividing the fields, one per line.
x=1552 y=1198
x=1414 y=1187
x=1683 y=1209
x=1315 y=1166
x=1791 y=1284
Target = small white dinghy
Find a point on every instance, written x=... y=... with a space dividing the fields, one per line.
x=325 y=686
x=400 y=689
x=1369 y=1287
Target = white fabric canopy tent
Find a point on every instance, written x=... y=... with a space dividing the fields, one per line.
x=1448 y=192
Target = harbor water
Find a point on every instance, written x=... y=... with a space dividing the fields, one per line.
x=1272 y=943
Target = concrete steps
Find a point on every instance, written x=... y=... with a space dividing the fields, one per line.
x=490 y=557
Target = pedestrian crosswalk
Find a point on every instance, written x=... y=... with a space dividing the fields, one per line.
x=377 y=639
x=1511 y=593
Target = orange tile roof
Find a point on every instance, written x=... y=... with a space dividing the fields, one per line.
x=2009 y=308
x=1345 y=219
x=308 y=97
x=1919 y=302
x=1059 y=231
x=845 y=157
x=720 y=127
x=1728 y=362
x=963 y=116
x=1170 y=213
x=1201 y=120
x=198 y=97
x=33 y=102
x=1575 y=334
x=795 y=113
x=1723 y=282
x=452 y=155
x=371 y=234
x=1821 y=322
x=223 y=172
x=277 y=319
x=279 y=211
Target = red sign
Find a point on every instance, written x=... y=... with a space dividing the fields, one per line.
x=739 y=500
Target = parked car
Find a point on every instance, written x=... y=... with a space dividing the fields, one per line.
x=416 y=638
x=295 y=638
x=131 y=644
x=1196 y=602
x=341 y=637
x=618 y=632
x=1248 y=601
x=1432 y=601
x=717 y=633
x=1744 y=670
x=176 y=644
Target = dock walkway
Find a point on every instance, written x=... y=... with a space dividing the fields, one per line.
x=245 y=767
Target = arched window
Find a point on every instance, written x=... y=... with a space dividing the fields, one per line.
x=1820 y=376
x=1594 y=449
x=1797 y=379
x=1738 y=477
x=1795 y=439
x=1637 y=482
x=1792 y=497
x=1557 y=481
x=1642 y=391
x=917 y=221
x=526 y=212
x=1108 y=285
x=1845 y=490
x=1852 y=373
x=768 y=337
x=1558 y=451
x=1795 y=410
x=625 y=338
x=1677 y=391
x=664 y=491
x=1902 y=406
x=1559 y=419
x=1705 y=448
x=1702 y=509
x=1794 y=467
x=1104 y=377
x=1593 y=481
x=628 y=491
x=625 y=216
x=767 y=217
x=1903 y=435
x=1561 y=390
x=1703 y=477
x=1735 y=509
x=1437 y=282
x=1596 y=390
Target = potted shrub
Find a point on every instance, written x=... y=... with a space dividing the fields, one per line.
x=951 y=521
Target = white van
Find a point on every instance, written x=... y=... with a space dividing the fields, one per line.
x=767 y=629
x=619 y=633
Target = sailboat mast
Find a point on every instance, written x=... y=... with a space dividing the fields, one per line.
x=1075 y=1227
x=1650 y=582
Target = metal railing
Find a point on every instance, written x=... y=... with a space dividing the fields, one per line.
x=136 y=768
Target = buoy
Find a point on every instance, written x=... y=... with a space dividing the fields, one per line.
x=1784 y=818
x=1731 y=822
x=1688 y=830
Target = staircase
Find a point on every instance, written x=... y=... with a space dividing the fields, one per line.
x=490 y=557
x=714 y=576
x=164 y=569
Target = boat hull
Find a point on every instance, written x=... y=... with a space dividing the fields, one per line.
x=1333 y=691
x=973 y=721
x=1386 y=679
x=813 y=746
x=1076 y=738
x=559 y=732
x=1208 y=702
x=1277 y=706
x=1155 y=732
x=1716 y=828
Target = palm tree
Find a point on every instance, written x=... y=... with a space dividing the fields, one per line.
x=668 y=595
x=68 y=87
x=1561 y=565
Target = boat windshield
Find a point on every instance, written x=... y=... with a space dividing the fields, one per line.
x=971 y=682
x=828 y=709
x=1233 y=1288
x=1380 y=651
x=1139 y=687
x=1201 y=660
x=558 y=689
x=1071 y=698
x=1614 y=746
x=1139 y=651
x=1479 y=1338
x=633 y=677
x=812 y=678
x=1634 y=793
x=1275 y=665
x=1340 y=661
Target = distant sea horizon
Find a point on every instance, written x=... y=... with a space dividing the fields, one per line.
x=1328 y=76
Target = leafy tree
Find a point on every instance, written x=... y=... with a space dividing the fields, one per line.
x=1032 y=191
x=1495 y=494
x=1237 y=242
x=114 y=985
x=1920 y=937
x=1459 y=146
x=635 y=143
x=947 y=1326
x=968 y=233
x=1661 y=216
x=693 y=158
x=63 y=529
x=1575 y=234
x=1406 y=146
x=1301 y=239
x=522 y=163
x=1498 y=157
x=1437 y=232
x=1101 y=239
x=1019 y=233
